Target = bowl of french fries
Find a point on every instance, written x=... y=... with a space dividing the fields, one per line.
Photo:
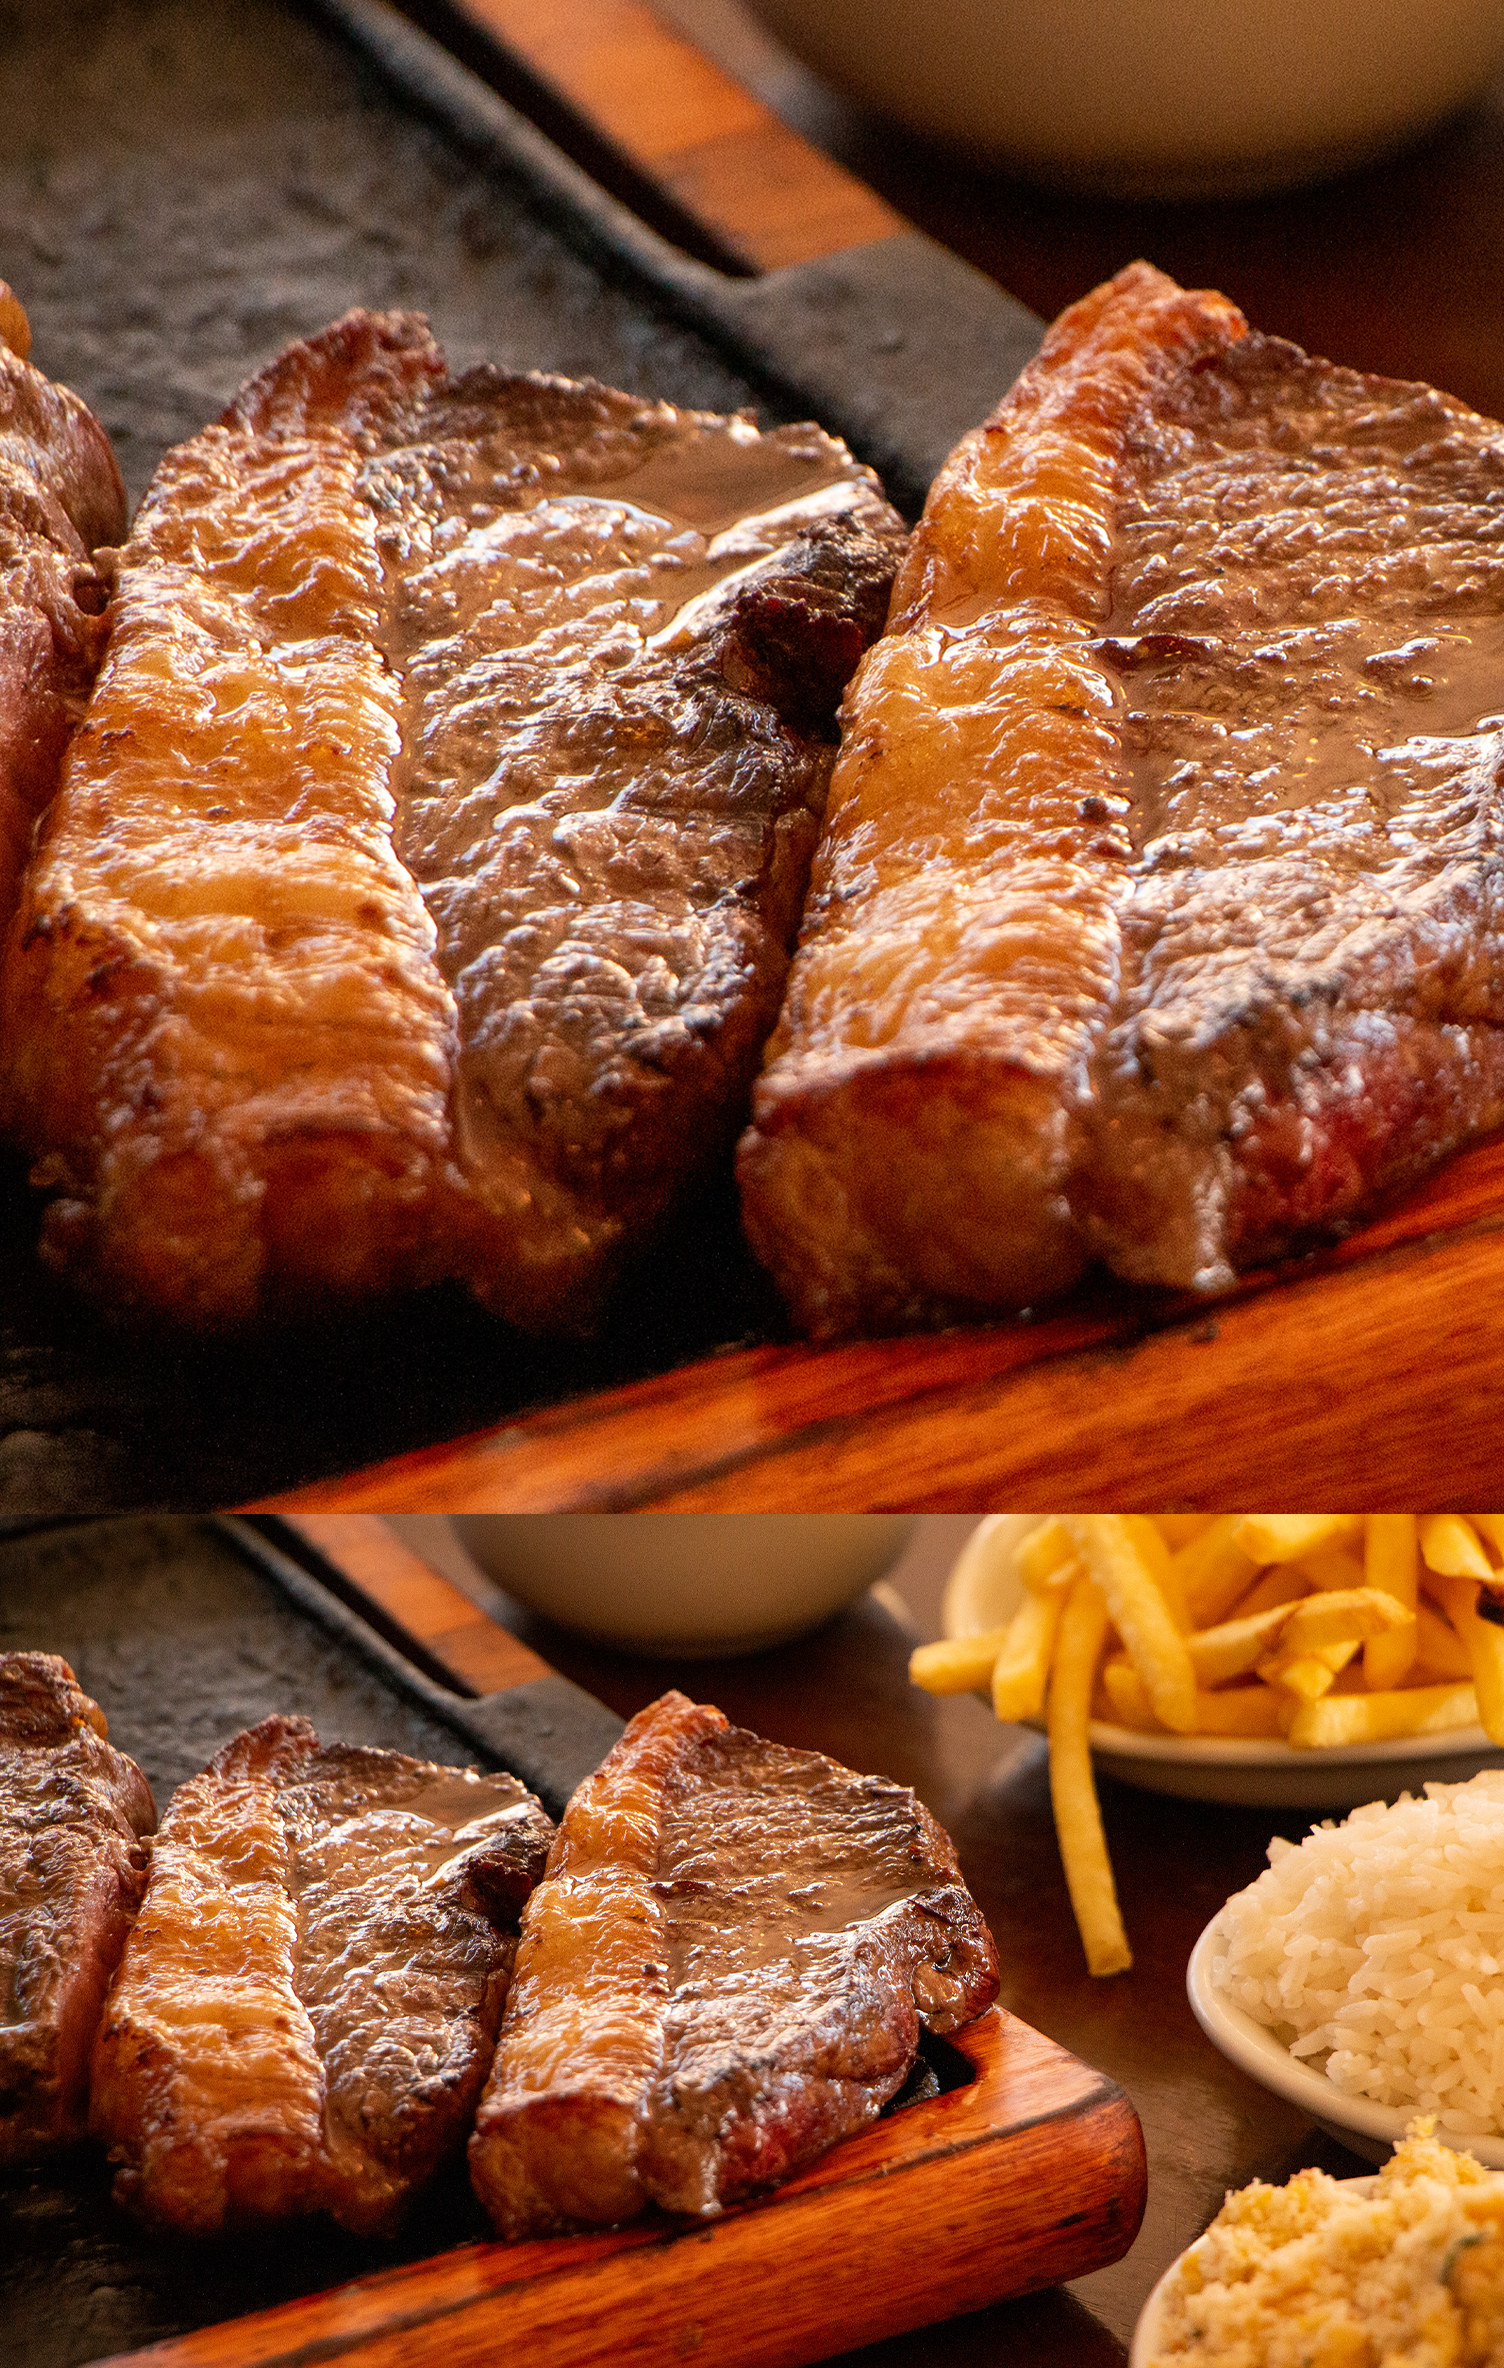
x=1306 y=1660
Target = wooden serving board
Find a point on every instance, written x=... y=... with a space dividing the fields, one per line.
x=1373 y=1371
x=1029 y=2173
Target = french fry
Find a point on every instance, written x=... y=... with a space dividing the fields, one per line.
x=1307 y=1675
x=1021 y=1670
x=1235 y=1710
x=1452 y=1547
x=958 y=1664
x=1439 y=1650
x=1213 y=1571
x=981 y=1579
x=1073 y=1793
x=1236 y=1646
x=1377 y=1718
x=1285 y=1537
x=1283 y=1582
x=1144 y=1535
x=1128 y=1700
x=1046 y=1559
x=1341 y=1617
x=1110 y=1550
x=1326 y=1628
x=1490 y=1526
x=1331 y=1570
x=1484 y=1644
x=1180 y=1529
x=1391 y=1556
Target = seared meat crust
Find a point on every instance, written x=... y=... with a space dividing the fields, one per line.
x=423 y=880
x=1157 y=916
x=307 y=2007
x=61 y=498
x=72 y=1868
x=724 y=1971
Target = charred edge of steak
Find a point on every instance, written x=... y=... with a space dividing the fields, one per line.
x=800 y=627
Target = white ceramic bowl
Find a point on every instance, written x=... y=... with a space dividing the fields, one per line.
x=1370 y=2131
x=1148 y=2335
x=684 y=1583
x=1249 y=1773
x=1155 y=97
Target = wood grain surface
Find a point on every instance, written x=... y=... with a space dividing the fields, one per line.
x=1031 y=2173
x=659 y=103
x=1374 y=1371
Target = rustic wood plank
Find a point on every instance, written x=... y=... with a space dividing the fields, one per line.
x=1032 y=2173
x=661 y=104
x=419 y=1601
x=1373 y=1370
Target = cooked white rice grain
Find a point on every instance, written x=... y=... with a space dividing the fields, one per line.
x=1375 y=1950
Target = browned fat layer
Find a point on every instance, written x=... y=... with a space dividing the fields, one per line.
x=308 y=2003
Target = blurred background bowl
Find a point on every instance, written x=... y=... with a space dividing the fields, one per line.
x=685 y=1583
x=1157 y=98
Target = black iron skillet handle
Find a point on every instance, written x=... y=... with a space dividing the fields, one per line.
x=350 y=1573
x=893 y=343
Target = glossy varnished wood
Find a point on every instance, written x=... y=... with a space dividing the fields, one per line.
x=661 y=105
x=1031 y=2173
x=1373 y=1371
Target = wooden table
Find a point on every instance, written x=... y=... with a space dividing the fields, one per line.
x=1208 y=2127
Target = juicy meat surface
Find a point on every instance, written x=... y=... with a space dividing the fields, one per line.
x=72 y=1867
x=61 y=499
x=724 y=1971
x=1158 y=913
x=423 y=878
x=309 y=1999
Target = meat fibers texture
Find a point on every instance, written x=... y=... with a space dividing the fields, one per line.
x=73 y=1810
x=1157 y=917
x=725 y=1970
x=422 y=881
x=61 y=502
x=308 y=2003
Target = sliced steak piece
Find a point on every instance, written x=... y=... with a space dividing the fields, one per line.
x=61 y=499
x=72 y=1867
x=1158 y=913
x=307 y=2007
x=725 y=1971
x=423 y=881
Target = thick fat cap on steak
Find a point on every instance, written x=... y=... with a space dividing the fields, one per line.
x=61 y=500
x=724 y=1971
x=309 y=2000
x=73 y=1810
x=422 y=883
x=1157 y=915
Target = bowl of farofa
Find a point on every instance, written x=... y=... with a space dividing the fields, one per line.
x=1342 y=2272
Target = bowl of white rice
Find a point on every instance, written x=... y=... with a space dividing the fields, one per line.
x=1361 y=1976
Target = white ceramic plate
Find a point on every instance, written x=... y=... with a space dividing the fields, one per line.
x=1149 y=2333
x=1369 y=2130
x=1247 y=1774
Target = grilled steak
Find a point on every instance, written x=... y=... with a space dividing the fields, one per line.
x=60 y=499
x=725 y=1970
x=1158 y=914
x=72 y=1867
x=422 y=883
x=309 y=1999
